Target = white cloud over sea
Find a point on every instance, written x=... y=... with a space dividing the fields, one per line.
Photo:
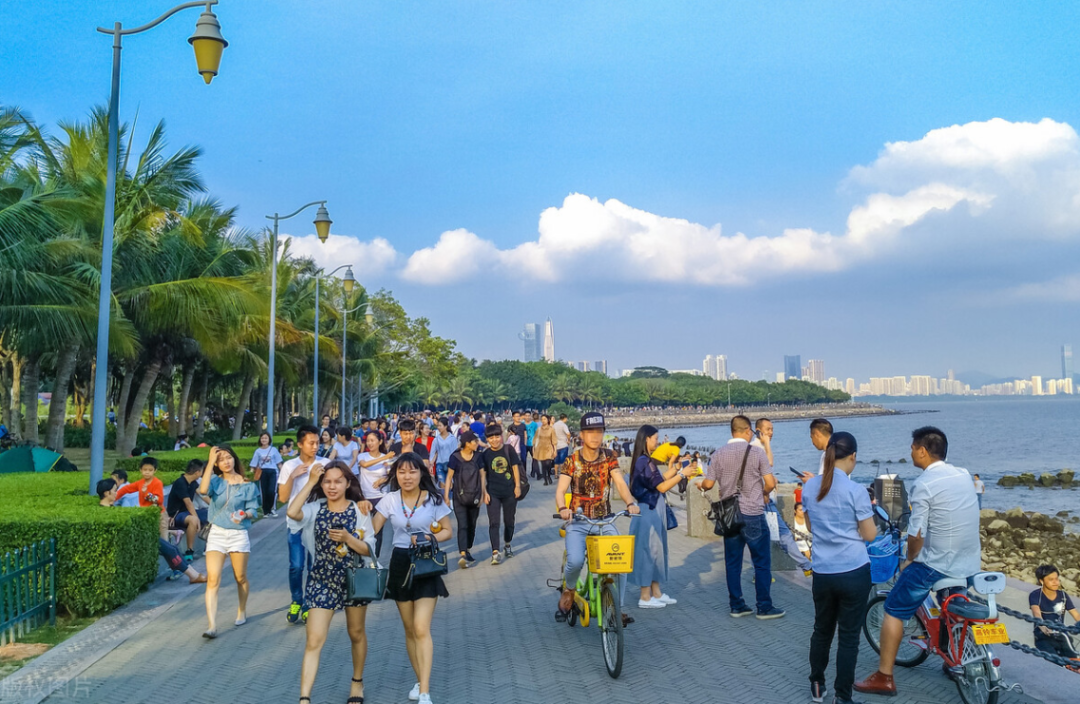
x=957 y=189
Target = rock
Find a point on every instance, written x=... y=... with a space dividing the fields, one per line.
x=988 y=513
x=1068 y=585
x=1065 y=477
x=1008 y=481
x=1032 y=543
x=1074 y=519
x=1047 y=479
x=1045 y=524
x=1027 y=479
x=1060 y=514
x=1016 y=518
x=902 y=461
x=997 y=526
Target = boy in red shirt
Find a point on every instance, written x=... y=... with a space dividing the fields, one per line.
x=150 y=489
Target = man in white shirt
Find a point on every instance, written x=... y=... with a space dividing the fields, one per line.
x=763 y=432
x=562 y=442
x=943 y=541
x=293 y=476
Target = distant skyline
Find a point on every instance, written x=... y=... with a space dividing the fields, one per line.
x=891 y=188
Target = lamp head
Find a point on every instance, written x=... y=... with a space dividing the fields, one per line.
x=348 y=282
x=208 y=44
x=322 y=223
x=369 y=314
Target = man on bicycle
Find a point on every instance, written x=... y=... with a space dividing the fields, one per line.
x=588 y=475
x=943 y=541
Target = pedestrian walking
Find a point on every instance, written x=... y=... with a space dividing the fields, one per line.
x=443 y=448
x=326 y=443
x=841 y=519
x=648 y=484
x=743 y=470
x=502 y=488
x=465 y=483
x=417 y=513
x=291 y=479
x=980 y=489
x=531 y=426
x=334 y=524
x=544 y=449
x=345 y=449
x=267 y=463
x=233 y=503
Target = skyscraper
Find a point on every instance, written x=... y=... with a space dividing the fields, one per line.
x=1066 y=362
x=816 y=370
x=600 y=366
x=715 y=367
x=530 y=336
x=793 y=366
x=583 y=366
x=721 y=368
x=549 y=341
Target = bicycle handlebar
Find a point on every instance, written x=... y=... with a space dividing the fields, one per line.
x=594 y=521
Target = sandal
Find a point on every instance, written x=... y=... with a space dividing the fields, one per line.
x=356 y=700
x=305 y=699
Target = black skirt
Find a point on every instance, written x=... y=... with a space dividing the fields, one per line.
x=422 y=588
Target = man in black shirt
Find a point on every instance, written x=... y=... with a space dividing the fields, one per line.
x=518 y=428
x=181 y=509
x=408 y=443
x=502 y=487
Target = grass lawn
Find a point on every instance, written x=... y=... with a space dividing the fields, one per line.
x=15 y=655
x=80 y=456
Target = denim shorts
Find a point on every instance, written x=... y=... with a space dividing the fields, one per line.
x=561 y=455
x=910 y=590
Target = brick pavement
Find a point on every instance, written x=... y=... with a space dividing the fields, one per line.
x=495 y=641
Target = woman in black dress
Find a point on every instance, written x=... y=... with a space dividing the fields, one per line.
x=416 y=511
x=334 y=523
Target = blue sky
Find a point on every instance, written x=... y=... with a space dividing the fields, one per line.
x=680 y=124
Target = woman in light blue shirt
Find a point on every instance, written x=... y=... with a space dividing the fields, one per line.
x=841 y=520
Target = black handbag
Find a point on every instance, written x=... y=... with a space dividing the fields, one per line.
x=363 y=583
x=523 y=484
x=426 y=560
x=672 y=522
x=725 y=515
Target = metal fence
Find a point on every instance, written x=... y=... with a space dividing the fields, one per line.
x=27 y=589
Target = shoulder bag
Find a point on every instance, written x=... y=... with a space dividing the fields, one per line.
x=672 y=522
x=364 y=583
x=204 y=529
x=523 y=479
x=426 y=560
x=725 y=515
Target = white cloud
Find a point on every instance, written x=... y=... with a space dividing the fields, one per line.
x=1063 y=289
x=957 y=187
x=369 y=259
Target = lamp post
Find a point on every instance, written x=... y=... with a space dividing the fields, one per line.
x=322 y=229
x=208 y=45
x=348 y=282
x=344 y=331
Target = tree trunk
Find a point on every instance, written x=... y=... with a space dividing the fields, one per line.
x=204 y=387
x=279 y=405
x=15 y=409
x=122 y=445
x=184 y=419
x=131 y=432
x=241 y=406
x=65 y=367
x=166 y=380
x=5 y=391
x=30 y=382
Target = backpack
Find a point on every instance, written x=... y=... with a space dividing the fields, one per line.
x=467 y=488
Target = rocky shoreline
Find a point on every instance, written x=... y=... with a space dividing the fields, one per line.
x=1015 y=542
x=677 y=419
x=1063 y=479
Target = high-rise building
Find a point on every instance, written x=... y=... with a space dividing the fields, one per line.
x=793 y=366
x=1066 y=362
x=815 y=369
x=849 y=386
x=721 y=368
x=583 y=366
x=530 y=336
x=780 y=377
x=715 y=367
x=1036 y=386
x=600 y=366
x=549 y=341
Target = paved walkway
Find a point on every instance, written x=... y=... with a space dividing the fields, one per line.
x=495 y=641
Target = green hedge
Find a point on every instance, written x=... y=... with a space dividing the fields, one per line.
x=147 y=439
x=177 y=461
x=105 y=556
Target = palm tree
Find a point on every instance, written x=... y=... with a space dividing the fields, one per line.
x=562 y=388
x=457 y=392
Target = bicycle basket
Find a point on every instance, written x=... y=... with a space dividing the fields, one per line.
x=884 y=557
x=610 y=554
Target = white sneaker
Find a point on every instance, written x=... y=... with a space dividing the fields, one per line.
x=650 y=604
x=414 y=693
x=425 y=698
x=665 y=599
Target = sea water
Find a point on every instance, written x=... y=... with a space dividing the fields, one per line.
x=989 y=436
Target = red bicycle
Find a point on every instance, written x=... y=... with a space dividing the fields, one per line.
x=962 y=631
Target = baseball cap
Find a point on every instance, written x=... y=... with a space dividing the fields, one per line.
x=593 y=420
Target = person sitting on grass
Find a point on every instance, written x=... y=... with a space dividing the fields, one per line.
x=181 y=507
x=1050 y=603
x=106 y=491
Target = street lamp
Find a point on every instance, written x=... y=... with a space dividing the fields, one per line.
x=208 y=45
x=322 y=228
x=348 y=282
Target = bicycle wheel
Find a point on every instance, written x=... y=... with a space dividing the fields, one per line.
x=610 y=624
x=912 y=650
x=979 y=682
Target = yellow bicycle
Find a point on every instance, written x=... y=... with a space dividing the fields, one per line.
x=597 y=591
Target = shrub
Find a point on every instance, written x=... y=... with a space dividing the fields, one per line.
x=147 y=439
x=177 y=461
x=573 y=415
x=104 y=556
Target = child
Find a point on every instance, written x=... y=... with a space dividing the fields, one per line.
x=150 y=490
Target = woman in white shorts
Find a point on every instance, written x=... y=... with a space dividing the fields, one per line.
x=233 y=503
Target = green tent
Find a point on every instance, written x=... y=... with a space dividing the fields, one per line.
x=27 y=459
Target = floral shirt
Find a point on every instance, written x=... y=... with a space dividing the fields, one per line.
x=590 y=483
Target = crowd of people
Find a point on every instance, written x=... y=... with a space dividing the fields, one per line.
x=342 y=486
